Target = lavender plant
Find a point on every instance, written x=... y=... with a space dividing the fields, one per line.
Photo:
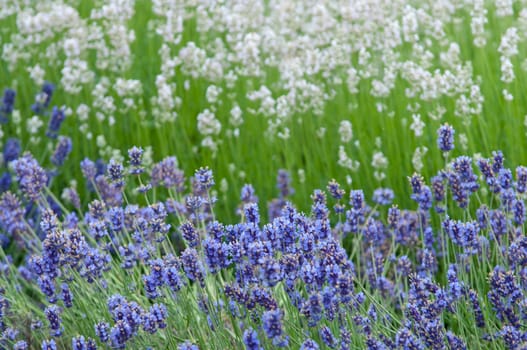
x=161 y=270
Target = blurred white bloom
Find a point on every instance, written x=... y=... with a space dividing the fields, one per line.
x=345 y=131
x=284 y=134
x=101 y=141
x=236 y=118
x=148 y=158
x=346 y=162
x=379 y=175
x=417 y=158
x=208 y=124
x=301 y=176
x=16 y=117
x=463 y=141
x=417 y=125
x=509 y=42
x=127 y=87
x=83 y=112
x=34 y=124
x=36 y=73
x=379 y=161
x=504 y=8
x=478 y=20
x=224 y=185
x=212 y=94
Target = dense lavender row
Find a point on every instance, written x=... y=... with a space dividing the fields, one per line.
x=148 y=264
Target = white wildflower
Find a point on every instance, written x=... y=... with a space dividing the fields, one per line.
x=345 y=131
x=417 y=125
x=208 y=124
x=417 y=158
x=33 y=124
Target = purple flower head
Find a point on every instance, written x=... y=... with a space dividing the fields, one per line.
x=512 y=337
x=486 y=168
x=521 y=179
x=272 y=324
x=192 y=266
x=79 y=343
x=417 y=182
x=66 y=295
x=187 y=345
x=309 y=344
x=62 y=150
x=476 y=307
x=189 y=233
x=216 y=254
x=327 y=337
x=404 y=266
x=91 y=344
x=43 y=99
x=505 y=178
x=55 y=121
x=459 y=193
x=283 y=183
x=5 y=182
x=115 y=218
x=115 y=171
x=313 y=309
x=454 y=342
x=445 y=138
x=47 y=287
x=394 y=214
x=504 y=284
x=159 y=314
x=135 y=155
x=252 y=214
x=250 y=340
x=120 y=333
x=11 y=214
x=438 y=188
x=498 y=223
x=497 y=162
x=482 y=215
x=49 y=345
x=271 y=272
x=424 y=198
x=53 y=315
x=204 y=178
x=102 y=331
x=10 y=333
x=463 y=168
x=357 y=199
x=383 y=196
x=11 y=150
x=248 y=195
x=30 y=176
x=21 y=345
x=7 y=106
x=89 y=169
x=518 y=210
x=335 y=190
x=167 y=174
x=463 y=234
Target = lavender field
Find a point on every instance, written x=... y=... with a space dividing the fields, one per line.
x=250 y=174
